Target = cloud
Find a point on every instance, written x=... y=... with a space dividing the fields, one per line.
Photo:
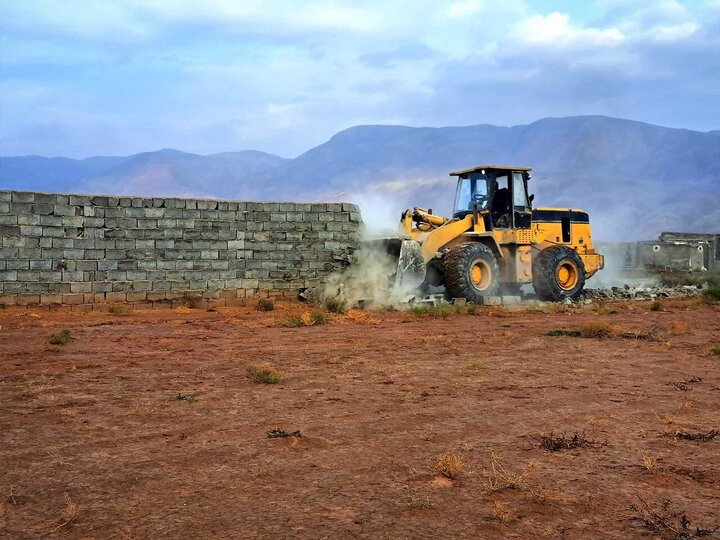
x=555 y=29
x=464 y=8
x=282 y=77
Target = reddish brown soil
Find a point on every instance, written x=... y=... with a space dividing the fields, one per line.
x=97 y=423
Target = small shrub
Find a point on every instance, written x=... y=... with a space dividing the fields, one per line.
x=569 y=333
x=118 y=309
x=712 y=294
x=655 y=306
x=716 y=350
x=277 y=433
x=265 y=374
x=666 y=523
x=318 y=318
x=61 y=338
x=449 y=465
x=555 y=443
x=333 y=305
x=265 y=304
x=185 y=397
x=699 y=436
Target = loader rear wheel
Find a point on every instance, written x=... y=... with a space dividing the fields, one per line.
x=470 y=271
x=558 y=273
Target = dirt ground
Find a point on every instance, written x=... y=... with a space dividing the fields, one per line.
x=145 y=424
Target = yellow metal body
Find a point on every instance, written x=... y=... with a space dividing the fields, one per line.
x=514 y=248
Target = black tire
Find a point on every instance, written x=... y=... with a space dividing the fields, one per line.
x=461 y=267
x=558 y=273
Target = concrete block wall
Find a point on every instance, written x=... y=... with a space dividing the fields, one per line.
x=87 y=250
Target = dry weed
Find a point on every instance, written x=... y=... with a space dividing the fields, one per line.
x=449 y=465
x=667 y=419
x=649 y=463
x=687 y=405
x=69 y=515
x=546 y=496
x=501 y=513
x=498 y=478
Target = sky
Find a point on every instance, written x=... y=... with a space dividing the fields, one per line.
x=81 y=78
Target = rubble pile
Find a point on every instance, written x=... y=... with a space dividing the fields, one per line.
x=629 y=292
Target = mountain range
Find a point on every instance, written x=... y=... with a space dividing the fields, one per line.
x=635 y=179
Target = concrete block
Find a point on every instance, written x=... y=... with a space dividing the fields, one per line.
x=11 y=230
x=64 y=210
x=43 y=209
x=22 y=197
x=73 y=298
x=492 y=301
x=9 y=220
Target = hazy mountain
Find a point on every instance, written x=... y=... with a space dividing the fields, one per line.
x=636 y=179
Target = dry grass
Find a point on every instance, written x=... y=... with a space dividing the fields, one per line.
x=432 y=312
x=449 y=465
x=70 y=514
x=649 y=463
x=361 y=317
x=475 y=365
x=305 y=318
x=679 y=328
x=599 y=330
x=605 y=330
x=498 y=478
x=264 y=374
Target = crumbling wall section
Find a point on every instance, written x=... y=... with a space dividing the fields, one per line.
x=89 y=250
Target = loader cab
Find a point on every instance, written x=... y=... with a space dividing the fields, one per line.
x=499 y=193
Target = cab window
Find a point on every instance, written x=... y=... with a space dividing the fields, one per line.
x=520 y=200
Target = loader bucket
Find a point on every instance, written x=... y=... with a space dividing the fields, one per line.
x=407 y=261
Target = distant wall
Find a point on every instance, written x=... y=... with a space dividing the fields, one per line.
x=89 y=250
x=696 y=252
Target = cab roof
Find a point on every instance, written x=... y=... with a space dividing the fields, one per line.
x=491 y=167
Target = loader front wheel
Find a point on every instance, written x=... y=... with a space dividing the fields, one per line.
x=470 y=271
x=558 y=273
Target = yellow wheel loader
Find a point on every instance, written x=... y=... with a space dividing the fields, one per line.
x=495 y=242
